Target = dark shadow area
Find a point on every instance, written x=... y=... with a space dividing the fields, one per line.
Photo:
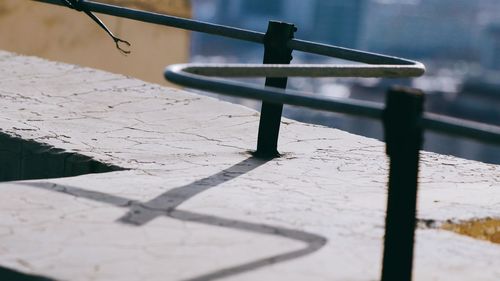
x=27 y=159
x=12 y=275
x=165 y=205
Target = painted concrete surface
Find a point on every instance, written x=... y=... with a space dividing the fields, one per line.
x=194 y=205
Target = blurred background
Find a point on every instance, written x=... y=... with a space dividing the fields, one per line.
x=457 y=40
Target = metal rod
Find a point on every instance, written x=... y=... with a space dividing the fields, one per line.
x=238 y=33
x=276 y=51
x=155 y=18
x=459 y=127
x=366 y=109
x=304 y=70
x=347 y=54
x=403 y=136
x=192 y=76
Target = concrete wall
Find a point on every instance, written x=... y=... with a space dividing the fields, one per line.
x=58 y=33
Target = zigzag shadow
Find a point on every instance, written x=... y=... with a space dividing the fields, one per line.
x=165 y=205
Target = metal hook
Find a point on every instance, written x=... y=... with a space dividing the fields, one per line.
x=77 y=5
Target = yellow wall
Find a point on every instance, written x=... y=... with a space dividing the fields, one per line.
x=61 y=34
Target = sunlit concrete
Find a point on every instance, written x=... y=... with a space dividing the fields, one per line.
x=194 y=204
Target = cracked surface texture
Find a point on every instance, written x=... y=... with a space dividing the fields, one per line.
x=195 y=205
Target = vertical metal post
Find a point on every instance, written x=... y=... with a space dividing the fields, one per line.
x=276 y=52
x=403 y=136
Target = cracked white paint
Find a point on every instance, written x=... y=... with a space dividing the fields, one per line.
x=193 y=205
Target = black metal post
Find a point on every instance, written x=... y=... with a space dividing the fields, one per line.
x=276 y=52
x=403 y=136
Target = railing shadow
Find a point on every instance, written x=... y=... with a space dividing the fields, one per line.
x=9 y=274
x=165 y=203
x=141 y=213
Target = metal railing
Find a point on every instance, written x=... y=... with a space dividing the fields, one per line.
x=403 y=116
x=200 y=76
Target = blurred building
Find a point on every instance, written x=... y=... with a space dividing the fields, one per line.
x=489 y=19
x=491 y=49
x=423 y=28
x=335 y=22
x=338 y=22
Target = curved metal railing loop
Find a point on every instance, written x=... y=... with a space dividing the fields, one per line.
x=201 y=77
x=178 y=74
x=305 y=70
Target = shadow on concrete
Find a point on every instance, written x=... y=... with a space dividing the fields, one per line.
x=23 y=159
x=12 y=275
x=141 y=213
x=313 y=242
x=165 y=203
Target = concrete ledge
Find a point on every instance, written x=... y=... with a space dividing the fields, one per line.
x=193 y=204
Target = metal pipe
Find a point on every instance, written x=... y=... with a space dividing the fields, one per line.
x=183 y=23
x=303 y=70
x=176 y=74
x=459 y=127
x=347 y=54
x=192 y=76
x=238 y=33
x=403 y=138
x=275 y=51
